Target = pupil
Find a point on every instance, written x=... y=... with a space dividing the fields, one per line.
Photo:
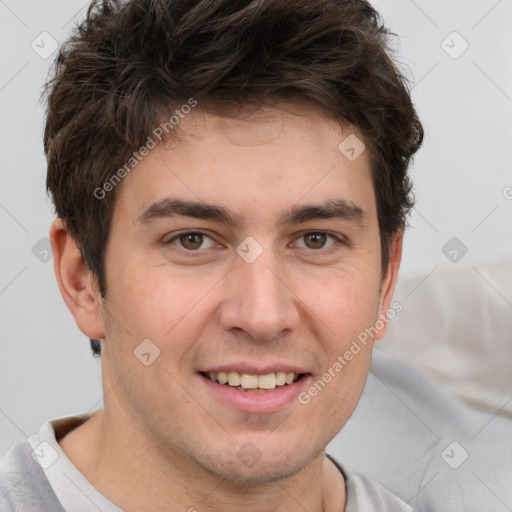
x=317 y=240
x=191 y=240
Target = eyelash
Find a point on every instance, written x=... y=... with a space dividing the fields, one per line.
x=340 y=240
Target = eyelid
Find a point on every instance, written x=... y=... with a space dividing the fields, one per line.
x=340 y=239
x=174 y=236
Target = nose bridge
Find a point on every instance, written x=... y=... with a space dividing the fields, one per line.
x=257 y=300
x=264 y=288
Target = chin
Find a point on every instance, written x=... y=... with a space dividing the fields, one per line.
x=250 y=465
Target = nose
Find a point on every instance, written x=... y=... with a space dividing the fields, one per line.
x=258 y=300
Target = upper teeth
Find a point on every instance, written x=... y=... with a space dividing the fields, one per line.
x=247 y=381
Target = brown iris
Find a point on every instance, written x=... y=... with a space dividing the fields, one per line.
x=191 y=241
x=315 y=240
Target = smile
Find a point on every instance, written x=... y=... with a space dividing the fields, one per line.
x=252 y=382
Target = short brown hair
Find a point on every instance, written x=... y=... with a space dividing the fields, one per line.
x=129 y=63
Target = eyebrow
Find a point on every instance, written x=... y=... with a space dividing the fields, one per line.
x=173 y=207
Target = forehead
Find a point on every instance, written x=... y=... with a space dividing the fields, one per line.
x=262 y=161
x=265 y=124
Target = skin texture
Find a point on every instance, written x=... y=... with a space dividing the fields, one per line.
x=163 y=437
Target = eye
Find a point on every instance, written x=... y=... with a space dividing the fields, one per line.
x=317 y=240
x=191 y=241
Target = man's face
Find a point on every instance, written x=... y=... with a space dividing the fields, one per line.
x=273 y=286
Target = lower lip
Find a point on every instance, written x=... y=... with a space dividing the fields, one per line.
x=266 y=402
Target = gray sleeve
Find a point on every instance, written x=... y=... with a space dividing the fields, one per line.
x=23 y=484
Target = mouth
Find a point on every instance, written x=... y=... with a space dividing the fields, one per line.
x=252 y=383
x=255 y=390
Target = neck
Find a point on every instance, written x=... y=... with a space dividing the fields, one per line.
x=119 y=460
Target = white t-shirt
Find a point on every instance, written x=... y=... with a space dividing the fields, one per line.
x=36 y=475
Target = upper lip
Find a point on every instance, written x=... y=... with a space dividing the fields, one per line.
x=253 y=369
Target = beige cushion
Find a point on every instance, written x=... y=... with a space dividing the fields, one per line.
x=456 y=327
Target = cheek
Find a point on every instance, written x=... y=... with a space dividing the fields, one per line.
x=346 y=302
x=348 y=313
x=349 y=384
x=338 y=389
x=157 y=303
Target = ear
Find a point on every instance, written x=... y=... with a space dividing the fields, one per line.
x=76 y=282
x=389 y=282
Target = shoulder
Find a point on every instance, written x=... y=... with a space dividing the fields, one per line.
x=366 y=495
x=23 y=483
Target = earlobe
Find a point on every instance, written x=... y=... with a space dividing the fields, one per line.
x=75 y=281
x=389 y=282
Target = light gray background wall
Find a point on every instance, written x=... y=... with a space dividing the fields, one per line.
x=463 y=182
